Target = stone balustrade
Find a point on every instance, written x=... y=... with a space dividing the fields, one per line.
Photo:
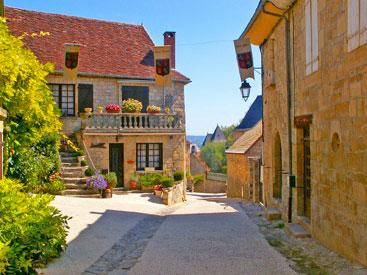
x=132 y=122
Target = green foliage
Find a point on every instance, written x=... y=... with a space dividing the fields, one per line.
x=188 y=175
x=84 y=162
x=214 y=156
x=111 y=179
x=89 y=172
x=32 y=113
x=224 y=170
x=166 y=182
x=133 y=177
x=178 y=175
x=150 y=179
x=32 y=231
x=80 y=153
x=198 y=179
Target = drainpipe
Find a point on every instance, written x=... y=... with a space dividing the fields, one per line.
x=289 y=100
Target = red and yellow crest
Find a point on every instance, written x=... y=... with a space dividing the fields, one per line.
x=162 y=66
x=71 y=60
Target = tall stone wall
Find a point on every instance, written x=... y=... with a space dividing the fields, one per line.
x=335 y=95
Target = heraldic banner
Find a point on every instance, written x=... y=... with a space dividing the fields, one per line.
x=162 y=56
x=244 y=58
x=71 y=62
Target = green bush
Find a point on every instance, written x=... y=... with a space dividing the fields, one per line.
x=80 y=153
x=178 y=175
x=224 y=170
x=166 y=182
x=89 y=172
x=32 y=231
x=214 y=156
x=150 y=179
x=84 y=162
x=198 y=179
x=111 y=179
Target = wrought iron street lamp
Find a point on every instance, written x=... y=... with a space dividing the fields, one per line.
x=245 y=90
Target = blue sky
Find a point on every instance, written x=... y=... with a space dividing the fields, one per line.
x=205 y=31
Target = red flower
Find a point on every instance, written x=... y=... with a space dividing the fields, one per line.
x=59 y=174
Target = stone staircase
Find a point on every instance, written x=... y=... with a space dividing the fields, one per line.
x=73 y=177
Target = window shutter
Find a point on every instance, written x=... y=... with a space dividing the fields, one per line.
x=315 y=35
x=308 y=36
x=363 y=22
x=353 y=24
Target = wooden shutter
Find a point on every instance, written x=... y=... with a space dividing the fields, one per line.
x=353 y=24
x=314 y=36
x=363 y=22
x=85 y=97
x=308 y=36
x=140 y=93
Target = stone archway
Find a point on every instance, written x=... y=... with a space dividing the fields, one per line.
x=277 y=167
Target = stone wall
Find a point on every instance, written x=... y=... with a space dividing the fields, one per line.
x=210 y=186
x=196 y=166
x=335 y=95
x=173 y=151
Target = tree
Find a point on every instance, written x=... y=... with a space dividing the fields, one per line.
x=214 y=155
x=24 y=93
x=228 y=133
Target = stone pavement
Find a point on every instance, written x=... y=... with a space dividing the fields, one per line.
x=136 y=234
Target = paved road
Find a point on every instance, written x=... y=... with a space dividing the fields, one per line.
x=135 y=234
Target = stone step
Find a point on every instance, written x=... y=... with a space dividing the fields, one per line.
x=70 y=164
x=68 y=154
x=72 y=192
x=272 y=213
x=74 y=180
x=69 y=160
x=73 y=174
x=297 y=231
x=119 y=191
x=76 y=186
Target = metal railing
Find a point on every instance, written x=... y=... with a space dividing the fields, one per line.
x=132 y=122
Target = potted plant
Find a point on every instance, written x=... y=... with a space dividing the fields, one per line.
x=152 y=109
x=167 y=110
x=131 y=105
x=113 y=108
x=83 y=165
x=80 y=155
x=97 y=182
x=133 y=180
x=111 y=179
x=166 y=183
x=158 y=190
x=89 y=172
x=100 y=109
x=88 y=110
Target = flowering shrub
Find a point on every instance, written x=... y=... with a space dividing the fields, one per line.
x=97 y=182
x=158 y=187
x=113 y=107
x=131 y=105
x=153 y=108
x=54 y=183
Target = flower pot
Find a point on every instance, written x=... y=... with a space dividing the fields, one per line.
x=88 y=110
x=113 y=111
x=132 y=184
x=100 y=110
x=158 y=193
x=153 y=112
x=108 y=193
x=80 y=158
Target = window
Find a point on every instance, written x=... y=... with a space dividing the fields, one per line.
x=312 y=37
x=149 y=155
x=140 y=93
x=357 y=23
x=64 y=97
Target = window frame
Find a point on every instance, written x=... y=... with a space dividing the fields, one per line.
x=60 y=97
x=312 y=36
x=140 y=165
x=357 y=24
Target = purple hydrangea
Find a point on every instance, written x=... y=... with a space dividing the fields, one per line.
x=97 y=182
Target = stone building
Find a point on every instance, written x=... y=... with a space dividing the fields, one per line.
x=243 y=165
x=216 y=137
x=116 y=62
x=252 y=117
x=314 y=56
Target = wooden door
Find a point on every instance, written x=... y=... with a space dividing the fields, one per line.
x=85 y=97
x=117 y=162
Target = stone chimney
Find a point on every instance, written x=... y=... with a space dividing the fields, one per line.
x=169 y=39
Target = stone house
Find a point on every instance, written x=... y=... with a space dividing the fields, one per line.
x=252 y=117
x=314 y=58
x=116 y=62
x=216 y=137
x=243 y=165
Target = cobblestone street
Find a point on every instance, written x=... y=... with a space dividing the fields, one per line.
x=209 y=234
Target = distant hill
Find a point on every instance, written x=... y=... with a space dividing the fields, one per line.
x=196 y=139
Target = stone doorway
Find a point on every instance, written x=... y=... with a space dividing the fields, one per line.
x=116 y=156
x=277 y=168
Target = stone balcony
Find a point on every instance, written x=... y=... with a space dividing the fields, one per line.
x=132 y=123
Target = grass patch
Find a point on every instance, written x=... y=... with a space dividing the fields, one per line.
x=275 y=243
x=279 y=225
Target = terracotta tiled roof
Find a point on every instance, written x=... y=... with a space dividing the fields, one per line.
x=107 y=48
x=247 y=140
